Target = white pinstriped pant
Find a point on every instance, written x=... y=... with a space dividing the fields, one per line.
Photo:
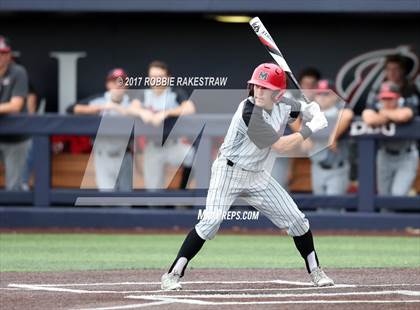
x=259 y=189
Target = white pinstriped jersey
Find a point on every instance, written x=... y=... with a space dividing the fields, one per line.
x=248 y=145
x=252 y=132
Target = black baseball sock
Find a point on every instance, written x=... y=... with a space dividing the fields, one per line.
x=191 y=246
x=305 y=246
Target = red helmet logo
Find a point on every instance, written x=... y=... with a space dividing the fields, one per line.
x=270 y=76
x=263 y=76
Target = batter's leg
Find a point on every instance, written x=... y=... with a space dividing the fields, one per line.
x=223 y=190
x=272 y=200
x=280 y=171
x=190 y=247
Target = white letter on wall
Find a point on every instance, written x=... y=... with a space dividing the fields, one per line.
x=67 y=78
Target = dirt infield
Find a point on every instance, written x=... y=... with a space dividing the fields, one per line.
x=211 y=289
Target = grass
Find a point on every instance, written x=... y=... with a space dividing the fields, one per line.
x=62 y=252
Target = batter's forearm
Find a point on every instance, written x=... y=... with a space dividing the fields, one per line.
x=295 y=126
x=288 y=143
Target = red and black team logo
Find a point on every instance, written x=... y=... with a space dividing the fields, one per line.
x=366 y=71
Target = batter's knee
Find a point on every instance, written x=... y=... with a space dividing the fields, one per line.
x=207 y=230
x=298 y=227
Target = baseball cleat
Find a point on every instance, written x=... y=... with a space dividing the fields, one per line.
x=170 y=282
x=319 y=278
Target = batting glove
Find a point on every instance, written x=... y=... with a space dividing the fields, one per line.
x=309 y=109
x=318 y=122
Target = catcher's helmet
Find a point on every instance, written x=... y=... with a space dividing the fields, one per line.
x=270 y=76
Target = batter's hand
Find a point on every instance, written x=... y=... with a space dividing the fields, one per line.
x=318 y=122
x=309 y=110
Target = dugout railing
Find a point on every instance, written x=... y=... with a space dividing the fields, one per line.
x=366 y=203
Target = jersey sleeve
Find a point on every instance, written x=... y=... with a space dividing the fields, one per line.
x=295 y=107
x=21 y=84
x=259 y=131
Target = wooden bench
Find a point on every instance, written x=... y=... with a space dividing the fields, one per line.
x=68 y=171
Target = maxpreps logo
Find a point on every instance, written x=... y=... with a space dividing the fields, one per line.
x=263 y=76
x=364 y=72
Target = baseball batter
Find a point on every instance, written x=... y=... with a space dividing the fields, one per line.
x=256 y=129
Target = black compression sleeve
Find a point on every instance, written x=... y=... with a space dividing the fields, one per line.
x=190 y=247
x=305 y=246
x=259 y=131
x=305 y=131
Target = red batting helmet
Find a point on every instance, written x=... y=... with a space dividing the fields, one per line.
x=270 y=76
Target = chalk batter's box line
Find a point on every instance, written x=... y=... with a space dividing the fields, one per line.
x=187 y=299
x=69 y=290
x=80 y=291
x=191 y=298
x=186 y=282
x=277 y=302
x=297 y=283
